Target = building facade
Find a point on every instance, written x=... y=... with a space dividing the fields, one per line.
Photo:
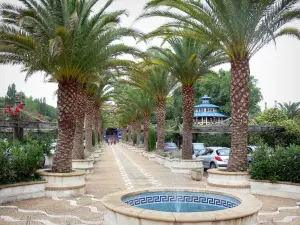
x=207 y=114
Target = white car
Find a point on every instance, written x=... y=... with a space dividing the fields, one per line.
x=215 y=157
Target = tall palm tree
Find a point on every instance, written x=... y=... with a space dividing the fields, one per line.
x=157 y=81
x=142 y=104
x=237 y=28
x=98 y=93
x=291 y=109
x=187 y=60
x=68 y=41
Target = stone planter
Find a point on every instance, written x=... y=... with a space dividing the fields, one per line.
x=197 y=174
x=48 y=160
x=96 y=157
x=22 y=191
x=168 y=163
x=151 y=156
x=159 y=159
x=185 y=166
x=278 y=189
x=83 y=164
x=231 y=181
x=63 y=184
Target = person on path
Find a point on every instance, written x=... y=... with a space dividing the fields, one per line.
x=115 y=142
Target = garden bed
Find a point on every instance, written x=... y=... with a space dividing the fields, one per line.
x=22 y=191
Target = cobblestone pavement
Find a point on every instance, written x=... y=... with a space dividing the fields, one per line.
x=119 y=169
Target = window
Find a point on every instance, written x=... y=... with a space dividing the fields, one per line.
x=223 y=152
x=208 y=151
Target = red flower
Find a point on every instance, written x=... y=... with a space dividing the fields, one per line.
x=21 y=106
x=8 y=106
x=17 y=110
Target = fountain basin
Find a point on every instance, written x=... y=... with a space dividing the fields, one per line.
x=180 y=206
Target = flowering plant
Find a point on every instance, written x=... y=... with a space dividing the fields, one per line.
x=13 y=112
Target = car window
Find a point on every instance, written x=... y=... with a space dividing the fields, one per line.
x=249 y=150
x=208 y=152
x=198 y=146
x=171 y=144
x=223 y=152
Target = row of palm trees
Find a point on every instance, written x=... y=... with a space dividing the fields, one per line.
x=78 y=48
x=213 y=32
x=73 y=45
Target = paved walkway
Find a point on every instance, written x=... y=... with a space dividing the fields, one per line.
x=119 y=169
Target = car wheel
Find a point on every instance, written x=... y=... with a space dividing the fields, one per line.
x=213 y=166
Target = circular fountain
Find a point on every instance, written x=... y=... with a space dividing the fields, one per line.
x=180 y=206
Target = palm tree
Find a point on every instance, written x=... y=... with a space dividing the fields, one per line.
x=291 y=109
x=67 y=41
x=142 y=104
x=98 y=93
x=187 y=60
x=157 y=81
x=78 y=147
x=237 y=28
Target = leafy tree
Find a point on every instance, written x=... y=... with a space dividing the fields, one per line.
x=10 y=97
x=292 y=109
x=277 y=117
x=217 y=86
x=272 y=116
x=237 y=28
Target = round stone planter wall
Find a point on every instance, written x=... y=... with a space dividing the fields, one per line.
x=159 y=159
x=63 y=184
x=185 y=166
x=119 y=213
x=151 y=156
x=83 y=164
x=168 y=163
x=22 y=191
x=231 y=181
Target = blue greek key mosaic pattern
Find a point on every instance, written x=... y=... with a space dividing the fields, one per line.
x=225 y=202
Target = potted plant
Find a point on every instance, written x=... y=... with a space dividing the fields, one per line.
x=197 y=174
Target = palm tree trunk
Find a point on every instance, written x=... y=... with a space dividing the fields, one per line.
x=78 y=148
x=160 y=120
x=62 y=160
x=138 y=133
x=124 y=132
x=188 y=115
x=146 y=131
x=240 y=104
x=96 y=121
x=89 y=124
x=133 y=130
x=99 y=128
x=129 y=133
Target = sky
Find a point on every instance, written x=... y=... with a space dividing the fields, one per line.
x=275 y=67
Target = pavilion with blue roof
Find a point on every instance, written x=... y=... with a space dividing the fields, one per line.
x=207 y=114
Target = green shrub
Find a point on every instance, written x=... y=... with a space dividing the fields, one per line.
x=134 y=138
x=152 y=139
x=19 y=161
x=93 y=138
x=126 y=138
x=43 y=139
x=279 y=164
